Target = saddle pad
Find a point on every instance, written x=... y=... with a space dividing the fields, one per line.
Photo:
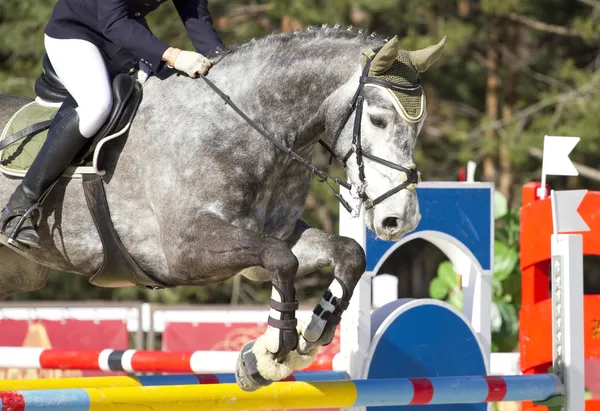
x=16 y=159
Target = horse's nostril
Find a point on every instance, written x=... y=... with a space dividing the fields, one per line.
x=390 y=223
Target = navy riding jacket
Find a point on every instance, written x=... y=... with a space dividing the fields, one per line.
x=113 y=25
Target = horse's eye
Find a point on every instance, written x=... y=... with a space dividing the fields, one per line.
x=378 y=121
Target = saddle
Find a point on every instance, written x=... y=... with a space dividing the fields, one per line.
x=25 y=133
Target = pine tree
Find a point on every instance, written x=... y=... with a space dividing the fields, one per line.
x=22 y=24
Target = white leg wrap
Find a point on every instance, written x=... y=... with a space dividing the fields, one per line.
x=271 y=340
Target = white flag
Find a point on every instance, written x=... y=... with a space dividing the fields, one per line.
x=565 y=217
x=556 y=160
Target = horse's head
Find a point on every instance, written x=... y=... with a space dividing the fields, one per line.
x=378 y=146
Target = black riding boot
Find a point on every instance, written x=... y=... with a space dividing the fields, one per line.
x=63 y=143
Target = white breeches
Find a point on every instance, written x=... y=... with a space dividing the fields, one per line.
x=82 y=70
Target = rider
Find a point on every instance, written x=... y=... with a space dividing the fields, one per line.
x=80 y=37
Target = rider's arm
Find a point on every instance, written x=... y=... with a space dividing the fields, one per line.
x=199 y=25
x=130 y=34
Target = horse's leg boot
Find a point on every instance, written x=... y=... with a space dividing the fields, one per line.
x=247 y=374
x=63 y=143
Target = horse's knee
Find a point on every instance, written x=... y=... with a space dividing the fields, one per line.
x=279 y=259
x=351 y=257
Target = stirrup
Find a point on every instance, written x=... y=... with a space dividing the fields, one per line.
x=12 y=237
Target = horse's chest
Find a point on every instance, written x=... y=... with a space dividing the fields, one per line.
x=286 y=203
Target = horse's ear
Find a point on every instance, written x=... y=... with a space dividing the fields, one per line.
x=424 y=58
x=385 y=57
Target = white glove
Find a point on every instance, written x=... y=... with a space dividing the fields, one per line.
x=192 y=63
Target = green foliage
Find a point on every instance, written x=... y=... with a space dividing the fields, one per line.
x=21 y=43
x=445 y=285
x=499 y=7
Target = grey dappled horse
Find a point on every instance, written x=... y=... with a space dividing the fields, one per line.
x=198 y=196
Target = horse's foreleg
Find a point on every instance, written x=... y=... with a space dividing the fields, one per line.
x=316 y=249
x=221 y=250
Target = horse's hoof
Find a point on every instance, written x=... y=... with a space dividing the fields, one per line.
x=247 y=376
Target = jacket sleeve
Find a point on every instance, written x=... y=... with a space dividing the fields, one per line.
x=129 y=33
x=199 y=25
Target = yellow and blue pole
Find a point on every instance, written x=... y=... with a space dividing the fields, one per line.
x=291 y=395
x=153 y=380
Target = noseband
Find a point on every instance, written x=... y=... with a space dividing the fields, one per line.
x=412 y=175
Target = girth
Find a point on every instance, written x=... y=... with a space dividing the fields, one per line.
x=118 y=268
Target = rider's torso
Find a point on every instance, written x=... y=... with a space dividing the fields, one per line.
x=79 y=19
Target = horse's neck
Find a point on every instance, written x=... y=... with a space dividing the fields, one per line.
x=288 y=88
x=282 y=88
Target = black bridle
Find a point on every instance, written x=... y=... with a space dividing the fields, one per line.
x=412 y=175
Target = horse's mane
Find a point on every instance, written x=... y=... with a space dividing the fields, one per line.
x=309 y=34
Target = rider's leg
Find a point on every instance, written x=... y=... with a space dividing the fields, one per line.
x=82 y=70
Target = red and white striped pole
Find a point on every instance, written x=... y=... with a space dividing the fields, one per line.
x=132 y=361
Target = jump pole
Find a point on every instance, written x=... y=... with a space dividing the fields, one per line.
x=153 y=380
x=292 y=395
x=132 y=361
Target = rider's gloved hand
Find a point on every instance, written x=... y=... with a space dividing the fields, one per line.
x=192 y=63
